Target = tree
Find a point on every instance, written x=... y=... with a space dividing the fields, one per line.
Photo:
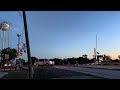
x=119 y=57
x=91 y=60
x=116 y=60
x=84 y=56
x=108 y=58
x=58 y=61
x=33 y=59
x=80 y=60
x=83 y=60
x=22 y=60
x=11 y=51
x=65 y=61
x=72 y=60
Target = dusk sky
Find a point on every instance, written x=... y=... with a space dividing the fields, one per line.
x=65 y=34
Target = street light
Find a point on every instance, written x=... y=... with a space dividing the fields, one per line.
x=28 y=47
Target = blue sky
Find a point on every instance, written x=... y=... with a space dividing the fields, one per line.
x=64 y=34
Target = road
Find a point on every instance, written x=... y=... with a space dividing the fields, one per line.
x=100 y=67
x=108 y=74
x=56 y=73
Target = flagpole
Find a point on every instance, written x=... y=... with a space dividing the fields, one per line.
x=96 y=47
x=3 y=40
x=96 y=43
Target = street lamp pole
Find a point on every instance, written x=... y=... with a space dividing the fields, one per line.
x=96 y=50
x=18 y=43
x=28 y=46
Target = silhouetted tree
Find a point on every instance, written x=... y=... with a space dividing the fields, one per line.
x=22 y=61
x=108 y=58
x=119 y=57
x=72 y=60
x=82 y=60
x=58 y=61
x=33 y=59
x=84 y=56
x=65 y=61
x=116 y=60
x=11 y=51
x=91 y=61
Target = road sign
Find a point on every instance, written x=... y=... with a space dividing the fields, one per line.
x=6 y=56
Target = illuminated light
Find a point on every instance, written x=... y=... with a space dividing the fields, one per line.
x=5 y=64
x=50 y=62
x=9 y=65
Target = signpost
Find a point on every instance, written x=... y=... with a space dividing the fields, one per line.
x=6 y=57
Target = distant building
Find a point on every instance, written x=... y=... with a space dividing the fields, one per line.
x=100 y=58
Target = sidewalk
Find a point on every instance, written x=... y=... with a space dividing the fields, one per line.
x=3 y=74
x=15 y=74
x=12 y=73
x=107 y=74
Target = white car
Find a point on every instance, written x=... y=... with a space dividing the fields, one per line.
x=44 y=62
x=51 y=62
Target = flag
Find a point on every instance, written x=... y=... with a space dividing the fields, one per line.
x=21 y=50
x=23 y=46
x=19 y=53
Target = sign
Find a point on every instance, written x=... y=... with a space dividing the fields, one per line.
x=19 y=53
x=6 y=56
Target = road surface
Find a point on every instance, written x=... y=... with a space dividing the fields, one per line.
x=55 y=73
x=108 y=74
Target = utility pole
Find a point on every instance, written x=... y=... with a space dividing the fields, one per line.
x=28 y=46
x=18 y=42
x=0 y=44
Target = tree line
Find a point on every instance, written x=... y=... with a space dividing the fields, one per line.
x=80 y=60
x=58 y=61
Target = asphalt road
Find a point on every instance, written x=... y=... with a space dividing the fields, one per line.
x=55 y=73
x=108 y=74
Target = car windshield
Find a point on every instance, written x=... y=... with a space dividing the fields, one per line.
x=60 y=44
